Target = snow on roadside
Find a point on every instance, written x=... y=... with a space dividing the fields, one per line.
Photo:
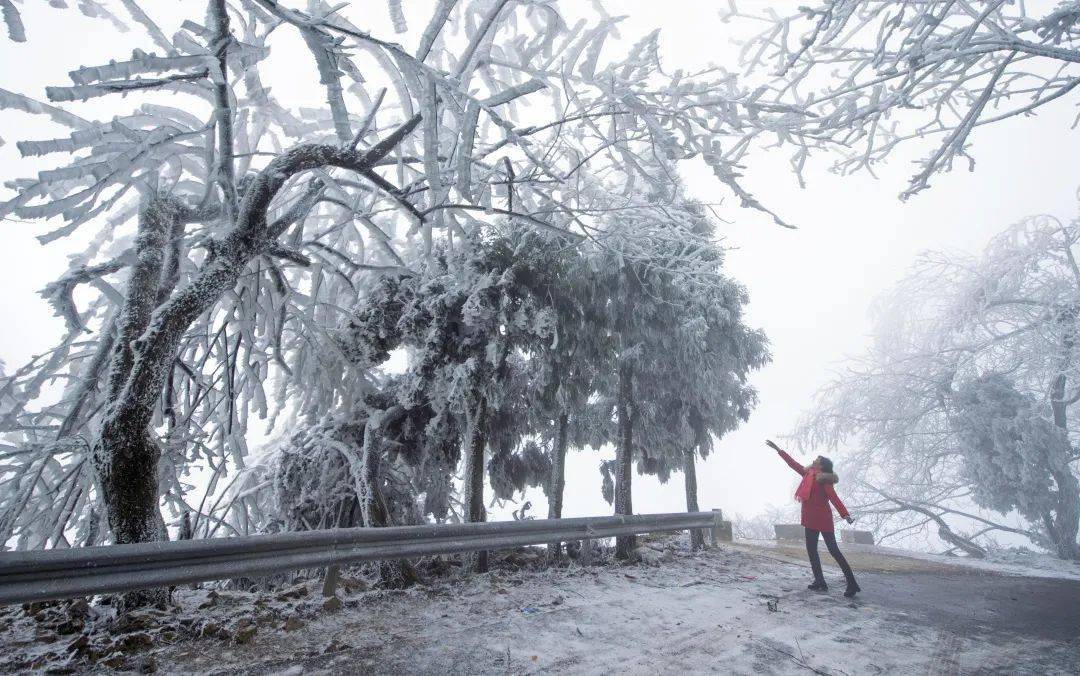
x=1016 y=562
x=720 y=610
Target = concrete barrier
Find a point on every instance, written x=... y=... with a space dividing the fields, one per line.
x=857 y=537
x=789 y=531
x=723 y=531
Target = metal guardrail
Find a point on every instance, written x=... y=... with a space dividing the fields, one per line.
x=65 y=573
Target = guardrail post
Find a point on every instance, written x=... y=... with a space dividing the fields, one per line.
x=714 y=534
x=585 y=554
x=330 y=581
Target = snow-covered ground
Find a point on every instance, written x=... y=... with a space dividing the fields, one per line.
x=1015 y=562
x=731 y=610
x=1010 y=562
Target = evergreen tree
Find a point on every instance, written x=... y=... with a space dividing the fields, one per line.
x=685 y=352
x=468 y=319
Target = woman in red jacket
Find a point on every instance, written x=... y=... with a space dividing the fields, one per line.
x=815 y=492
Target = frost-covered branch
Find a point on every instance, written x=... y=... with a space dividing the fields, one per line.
x=869 y=75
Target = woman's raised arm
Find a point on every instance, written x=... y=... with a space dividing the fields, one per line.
x=787 y=458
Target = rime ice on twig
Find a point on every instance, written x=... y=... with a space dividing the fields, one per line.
x=868 y=75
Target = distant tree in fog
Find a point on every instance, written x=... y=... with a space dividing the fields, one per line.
x=966 y=397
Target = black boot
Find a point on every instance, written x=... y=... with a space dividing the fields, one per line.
x=852 y=589
x=818 y=585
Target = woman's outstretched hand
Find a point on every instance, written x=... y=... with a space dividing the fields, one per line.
x=850 y=519
x=770 y=444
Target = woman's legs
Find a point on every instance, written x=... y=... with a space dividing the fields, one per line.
x=830 y=542
x=812 y=554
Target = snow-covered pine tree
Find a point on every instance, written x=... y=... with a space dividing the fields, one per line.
x=468 y=317
x=564 y=373
x=693 y=389
x=680 y=354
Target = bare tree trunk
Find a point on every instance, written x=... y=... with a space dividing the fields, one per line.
x=558 y=478
x=697 y=536
x=1065 y=526
x=624 y=458
x=127 y=463
x=1067 y=513
x=474 y=480
x=126 y=460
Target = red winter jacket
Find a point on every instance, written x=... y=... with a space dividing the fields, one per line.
x=815 y=511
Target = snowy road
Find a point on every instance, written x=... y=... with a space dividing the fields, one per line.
x=966 y=603
x=708 y=612
x=957 y=597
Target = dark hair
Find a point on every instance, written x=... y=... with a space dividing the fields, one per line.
x=826 y=464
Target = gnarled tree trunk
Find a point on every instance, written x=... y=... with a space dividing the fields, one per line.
x=153 y=320
x=126 y=454
x=1067 y=512
x=1063 y=529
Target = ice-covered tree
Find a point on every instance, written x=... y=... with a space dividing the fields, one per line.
x=630 y=282
x=974 y=360
x=228 y=228
x=655 y=280
x=702 y=392
x=680 y=352
x=1015 y=459
x=565 y=372
x=870 y=75
x=469 y=319
x=163 y=369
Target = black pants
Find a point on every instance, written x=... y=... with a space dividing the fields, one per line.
x=815 y=560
